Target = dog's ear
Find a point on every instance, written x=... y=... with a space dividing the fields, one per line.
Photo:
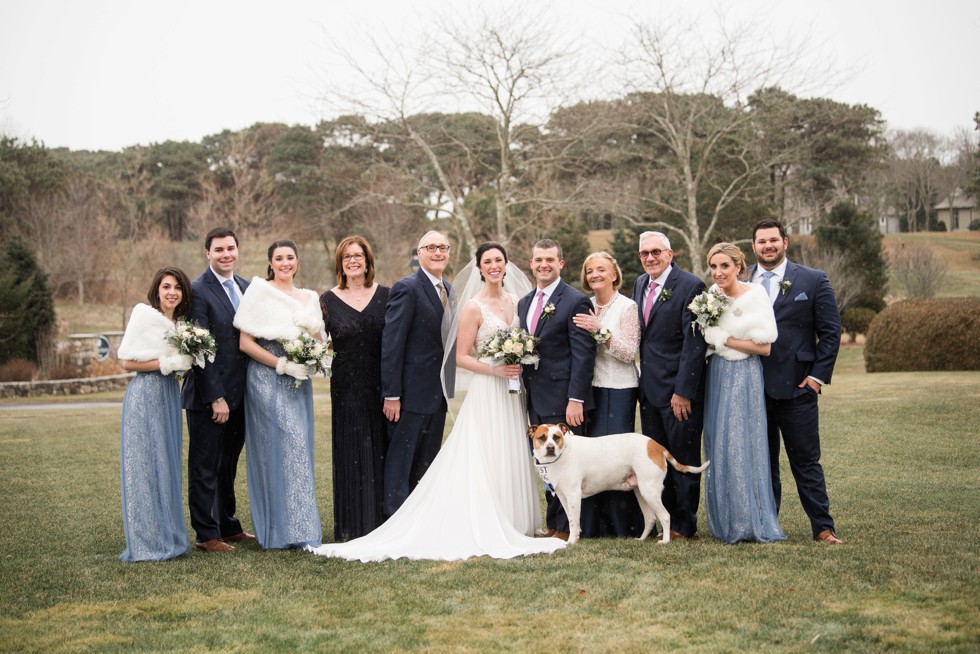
x=564 y=428
x=530 y=431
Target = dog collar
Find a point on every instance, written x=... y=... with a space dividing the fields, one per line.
x=538 y=463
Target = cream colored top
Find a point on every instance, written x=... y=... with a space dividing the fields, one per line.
x=615 y=361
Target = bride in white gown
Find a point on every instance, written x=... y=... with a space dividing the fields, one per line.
x=480 y=495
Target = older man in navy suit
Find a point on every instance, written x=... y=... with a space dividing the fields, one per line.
x=214 y=399
x=559 y=389
x=412 y=352
x=671 y=374
x=800 y=363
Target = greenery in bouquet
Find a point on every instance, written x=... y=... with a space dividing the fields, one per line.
x=194 y=341
x=511 y=347
x=708 y=308
x=309 y=352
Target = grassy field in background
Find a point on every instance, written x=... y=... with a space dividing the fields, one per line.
x=960 y=251
x=902 y=458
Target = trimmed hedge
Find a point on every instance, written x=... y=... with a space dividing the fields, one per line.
x=939 y=334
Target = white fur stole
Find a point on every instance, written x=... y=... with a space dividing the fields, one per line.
x=749 y=317
x=145 y=338
x=266 y=312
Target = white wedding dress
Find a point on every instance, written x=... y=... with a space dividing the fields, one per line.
x=479 y=496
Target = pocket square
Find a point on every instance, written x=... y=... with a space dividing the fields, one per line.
x=801 y=298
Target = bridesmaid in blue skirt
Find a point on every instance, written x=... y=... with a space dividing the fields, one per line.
x=279 y=404
x=738 y=488
x=150 y=443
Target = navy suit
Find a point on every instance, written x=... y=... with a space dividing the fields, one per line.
x=564 y=371
x=411 y=359
x=214 y=450
x=672 y=362
x=809 y=327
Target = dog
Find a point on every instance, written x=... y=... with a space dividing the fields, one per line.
x=577 y=467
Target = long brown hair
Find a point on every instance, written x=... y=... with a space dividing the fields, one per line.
x=183 y=309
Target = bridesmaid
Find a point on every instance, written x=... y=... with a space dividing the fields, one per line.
x=614 y=386
x=150 y=443
x=738 y=487
x=278 y=414
x=353 y=312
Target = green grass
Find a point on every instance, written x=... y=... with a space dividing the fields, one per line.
x=960 y=251
x=902 y=458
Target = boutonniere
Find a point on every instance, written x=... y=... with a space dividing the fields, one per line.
x=665 y=294
x=548 y=311
x=785 y=286
x=601 y=336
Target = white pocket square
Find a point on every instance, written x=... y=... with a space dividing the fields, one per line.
x=801 y=298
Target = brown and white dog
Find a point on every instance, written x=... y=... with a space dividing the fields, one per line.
x=577 y=467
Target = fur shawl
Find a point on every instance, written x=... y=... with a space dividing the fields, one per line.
x=145 y=338
x=749 y=317
x=266 y=312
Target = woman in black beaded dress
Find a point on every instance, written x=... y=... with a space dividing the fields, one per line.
x=353 y=312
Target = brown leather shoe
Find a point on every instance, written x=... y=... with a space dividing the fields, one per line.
x=560 y=534
x=828 y=536
x=544 y=533
x=243 y=537
x=213 y=545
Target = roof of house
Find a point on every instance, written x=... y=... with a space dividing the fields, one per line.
x=960 y=200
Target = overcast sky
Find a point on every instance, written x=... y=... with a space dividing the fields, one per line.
x=106 y=74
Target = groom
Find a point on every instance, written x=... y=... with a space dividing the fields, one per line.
x=560 y=388
x=800 y=363
x=411 y=360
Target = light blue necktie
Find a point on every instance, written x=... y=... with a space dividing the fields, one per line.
x=766 y=278
x=232 y=295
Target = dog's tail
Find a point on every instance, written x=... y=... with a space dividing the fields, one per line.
x=683 y=468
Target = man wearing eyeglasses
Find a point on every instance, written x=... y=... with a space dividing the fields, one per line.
x=671 y=374
x=411 y=360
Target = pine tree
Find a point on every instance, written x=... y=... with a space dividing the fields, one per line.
x=856 y=236
x=27 y=317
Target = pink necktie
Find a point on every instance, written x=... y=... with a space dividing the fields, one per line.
x=533 y=322
x=651 y=298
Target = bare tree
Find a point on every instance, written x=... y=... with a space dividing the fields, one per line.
x=917 y=270
x=691 y=98
x=848 y=284
x=508 y=66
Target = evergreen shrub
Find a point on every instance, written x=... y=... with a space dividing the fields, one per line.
x=918 y=335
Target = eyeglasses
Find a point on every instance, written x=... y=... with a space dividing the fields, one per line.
x=431 y=249
x=357 y=256
x=646 y=254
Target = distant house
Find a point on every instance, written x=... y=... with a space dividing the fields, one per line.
x=958 y=211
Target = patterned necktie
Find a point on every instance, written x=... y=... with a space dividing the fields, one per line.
x=651 y=298
x=767 y=280
x=536 y=314
x=443 y=296
x=232 y=295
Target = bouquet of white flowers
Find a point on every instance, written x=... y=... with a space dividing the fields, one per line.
x=193 y=341
x=708 y=308
x=510 y=347
x=306 y=350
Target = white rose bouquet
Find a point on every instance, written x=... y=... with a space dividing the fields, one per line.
x=708 y=308
x=192 y=341
x=309 y=352
x=510 y=347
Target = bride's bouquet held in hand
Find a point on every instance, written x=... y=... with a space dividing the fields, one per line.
x=307 y=351
x=510 y=347
x=708 y=308
x=193 y=341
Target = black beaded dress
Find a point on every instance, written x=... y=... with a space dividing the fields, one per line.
x=358 y=424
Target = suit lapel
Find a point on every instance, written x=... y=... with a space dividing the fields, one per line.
x=219 y=291
x=670 y=282
x=430 y=290
x=790 y=277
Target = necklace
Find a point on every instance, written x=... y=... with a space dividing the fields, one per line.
x=603 y=306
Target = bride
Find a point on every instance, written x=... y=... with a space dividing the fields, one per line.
x=479 y=496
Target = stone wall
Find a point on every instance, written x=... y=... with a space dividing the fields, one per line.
x=48 y=388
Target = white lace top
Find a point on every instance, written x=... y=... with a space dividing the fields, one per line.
x=615 y=361
x=492 y=323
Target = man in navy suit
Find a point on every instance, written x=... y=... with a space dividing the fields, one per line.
x=213 y=397
x=411 y=360
x=801 y=361
x=560 y=388
x=671 y=374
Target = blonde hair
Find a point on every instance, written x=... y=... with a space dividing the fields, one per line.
x=732 y=251
x=602 y=255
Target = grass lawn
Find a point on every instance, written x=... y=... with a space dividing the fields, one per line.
x=960 y=251
x=902 y=457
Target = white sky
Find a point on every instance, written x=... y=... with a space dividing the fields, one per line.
x=106 y=74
